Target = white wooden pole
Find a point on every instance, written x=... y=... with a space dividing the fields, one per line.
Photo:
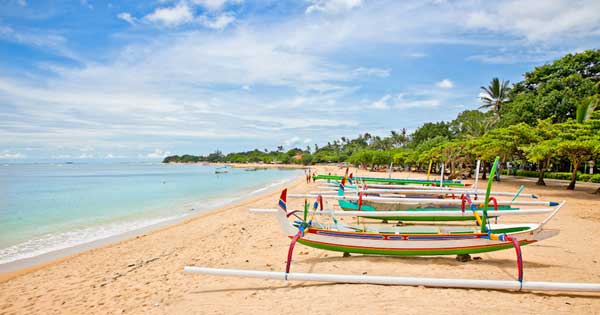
x=403 y=281
x=409 y=213
x=477 y=174
x=432 y=191
x=411 y=201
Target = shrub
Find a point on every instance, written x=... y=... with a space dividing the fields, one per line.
x=527 y=173
x=558 y=175
x=595 y=178
x=584 y=177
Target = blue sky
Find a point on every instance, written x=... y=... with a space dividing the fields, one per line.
x=131 y=80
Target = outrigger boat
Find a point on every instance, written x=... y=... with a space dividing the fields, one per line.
x=397 y=181
x=451 y=241
x=415 y=215
x=440 y=192
x=411 y=240
x=446 y=240
x=368 y=203
x=417 y=190
x=428 y=207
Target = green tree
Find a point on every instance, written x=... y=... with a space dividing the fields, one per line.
x=543 y=147
x=472 y=123
x=586 y=108
x=554 y=90
x=578 y=151
x=429 y=131
x=578 y=143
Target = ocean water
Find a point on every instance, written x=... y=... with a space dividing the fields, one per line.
x=49 y=207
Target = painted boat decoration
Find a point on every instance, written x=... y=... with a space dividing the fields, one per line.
x=411 y=240
x=411 y=214
x=369 y=203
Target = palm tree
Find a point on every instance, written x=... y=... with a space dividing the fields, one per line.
x=495 y=95
x=585 y=108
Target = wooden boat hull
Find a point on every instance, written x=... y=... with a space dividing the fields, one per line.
x=411 y=240
x=416 y=244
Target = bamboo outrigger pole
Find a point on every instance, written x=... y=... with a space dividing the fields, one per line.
x=404 y=281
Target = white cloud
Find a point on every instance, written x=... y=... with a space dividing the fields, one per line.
x=125 y=16
x=22 y=3
x=114 y=156
x=445 y=84
x=86 y=156
x=416 y=55
x=550 y=21
x=382 y=103
x=157 y=154
x=171 y=17
x=184 y=86
x=424 y=103
x=219 y=22
x=85 y=3
x=214 y=5
x=6 y=155
x=374 y=72
x=332 y=6
x=34 y=39
x=415 y=98
x=296 y=141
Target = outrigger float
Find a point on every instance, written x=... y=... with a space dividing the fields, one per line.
x=407 y=241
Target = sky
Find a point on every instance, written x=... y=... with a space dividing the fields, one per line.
x=138 y=80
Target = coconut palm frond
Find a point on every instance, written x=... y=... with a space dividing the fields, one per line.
x=495 y=95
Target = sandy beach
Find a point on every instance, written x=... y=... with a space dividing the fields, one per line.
x=144 y=274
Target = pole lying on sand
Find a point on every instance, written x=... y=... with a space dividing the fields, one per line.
x=404 y=281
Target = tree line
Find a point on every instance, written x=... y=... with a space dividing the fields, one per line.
x=548 y=121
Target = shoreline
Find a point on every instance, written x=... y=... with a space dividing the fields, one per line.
x=23 y=266
x=246 y=165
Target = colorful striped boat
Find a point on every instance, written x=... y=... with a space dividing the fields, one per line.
x=411 y=240
x=370 y=203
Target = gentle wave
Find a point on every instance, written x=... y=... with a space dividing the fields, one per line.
x=275 y=184
x=58 y=241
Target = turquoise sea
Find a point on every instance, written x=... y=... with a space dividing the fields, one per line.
x=49 y=207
